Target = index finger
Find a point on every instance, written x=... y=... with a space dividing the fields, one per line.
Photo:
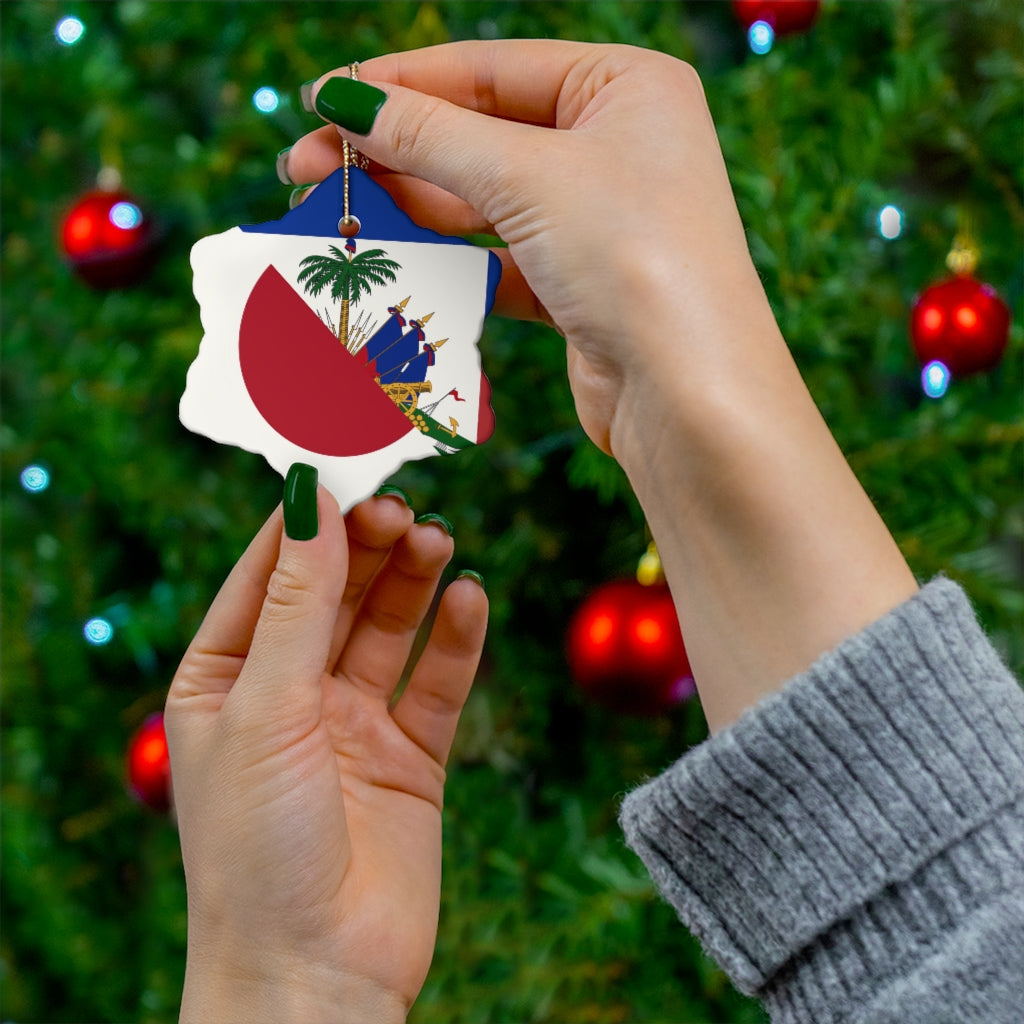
x=519 y=80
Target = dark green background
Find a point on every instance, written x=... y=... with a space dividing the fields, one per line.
x=546 y=915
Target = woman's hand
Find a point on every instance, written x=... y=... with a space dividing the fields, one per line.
x=309 y=807
x=601 y=169
x=621 y=226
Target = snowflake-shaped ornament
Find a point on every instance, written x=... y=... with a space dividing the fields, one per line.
x=354 y=355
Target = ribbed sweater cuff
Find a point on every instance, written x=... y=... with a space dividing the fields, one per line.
x=865 y=782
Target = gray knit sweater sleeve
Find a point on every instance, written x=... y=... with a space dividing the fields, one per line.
x=852 y=850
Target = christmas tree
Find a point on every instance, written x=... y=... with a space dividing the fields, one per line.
x=859 y=149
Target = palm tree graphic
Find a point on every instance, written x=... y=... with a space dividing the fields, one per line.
x=348 y=276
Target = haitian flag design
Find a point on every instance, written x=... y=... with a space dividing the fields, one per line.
x=354 y=355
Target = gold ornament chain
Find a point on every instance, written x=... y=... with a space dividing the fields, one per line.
x=350 y=157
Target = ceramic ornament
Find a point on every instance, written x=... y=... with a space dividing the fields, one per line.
x=352 y=354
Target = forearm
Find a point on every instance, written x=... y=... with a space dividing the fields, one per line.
x=772 y=549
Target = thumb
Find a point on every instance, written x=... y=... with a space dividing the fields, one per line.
x=293 y=634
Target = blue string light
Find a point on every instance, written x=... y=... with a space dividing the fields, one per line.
x=35 y=479
x=98 y=631
x=761 y=37
x=125 y=216
x=935 y=378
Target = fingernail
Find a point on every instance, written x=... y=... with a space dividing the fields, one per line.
x=298 y=194
x=473 y=575
x=437 y=520
x=390 y=489
x=351 y=104
x=306 y=95
x=300 y=517
x=282 y=166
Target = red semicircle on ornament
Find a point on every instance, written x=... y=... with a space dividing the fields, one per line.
x=304 y=382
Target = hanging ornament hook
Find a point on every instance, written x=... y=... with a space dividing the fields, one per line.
x=963 y=257
x=348 y=226
x=649 y=571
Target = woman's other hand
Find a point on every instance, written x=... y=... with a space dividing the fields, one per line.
x=309 y=803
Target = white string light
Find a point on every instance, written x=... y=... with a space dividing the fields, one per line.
x=890 y=222
x=266 y=100
x=69 y=31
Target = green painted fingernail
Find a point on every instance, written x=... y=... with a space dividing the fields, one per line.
x=300 y=515
x=472 y=574
x=390 y=489
x=351 y=104
x=281 y=164
x=306 y=95
x=437 y=520
x=297 y=194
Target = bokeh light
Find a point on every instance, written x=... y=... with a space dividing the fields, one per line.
x=68 y=31
x=761 y=37
x=966 y=317
x=125 y=215
x=935 y=379
x=35 y=479
x=601 y=629
x=98 y=631
x=682 y=688
x=890 y=222
x=266 y=100
x=648 y=630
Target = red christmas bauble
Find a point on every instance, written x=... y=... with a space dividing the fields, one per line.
x=108 y=239
x=149 y=766
x=962 y=323
x=784 y=16
x=626 y=651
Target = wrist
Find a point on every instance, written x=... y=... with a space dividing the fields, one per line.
x=700 y=336
x=683 y=408
x=283 y=992
x=772 y=549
